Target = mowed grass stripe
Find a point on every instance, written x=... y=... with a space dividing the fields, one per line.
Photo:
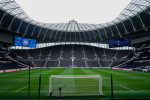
x=135 y=84
x=45 y=80
x=66 y=83
x=118 y=78
x=106 y=80
x=34 y=80
x=136 y=81
x=91 y=85
x=20 y=80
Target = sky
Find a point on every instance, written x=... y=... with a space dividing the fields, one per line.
x=83 y=11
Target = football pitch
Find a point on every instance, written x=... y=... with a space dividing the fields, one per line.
x=126 y=84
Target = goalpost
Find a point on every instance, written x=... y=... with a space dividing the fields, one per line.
x=75 y=85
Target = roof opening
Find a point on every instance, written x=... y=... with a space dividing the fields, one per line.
x=84 y=11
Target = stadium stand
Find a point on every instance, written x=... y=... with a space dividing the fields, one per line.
x=139 y=62
x=82 y=56
x=9 y=65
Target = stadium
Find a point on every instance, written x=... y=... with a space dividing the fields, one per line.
x=75 y=60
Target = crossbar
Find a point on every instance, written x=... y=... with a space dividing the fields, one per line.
x=76 y=76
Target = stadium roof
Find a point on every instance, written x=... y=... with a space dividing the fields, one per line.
x=135 y=6
x=133 y=20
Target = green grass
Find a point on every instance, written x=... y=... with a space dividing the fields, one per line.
x=127 y=84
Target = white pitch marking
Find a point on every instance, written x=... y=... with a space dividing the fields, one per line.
x=21 y=88
x=126 y=87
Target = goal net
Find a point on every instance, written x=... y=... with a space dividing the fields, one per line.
x=75 y=85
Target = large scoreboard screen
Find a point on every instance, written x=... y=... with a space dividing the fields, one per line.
x=26 y=42
x=119 y=42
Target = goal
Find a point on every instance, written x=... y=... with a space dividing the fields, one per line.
x=75 y=85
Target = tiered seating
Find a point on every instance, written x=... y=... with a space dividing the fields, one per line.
x=100 y=52
x=62 y=56
x=5 y=66
x=89 y=53
x=21 y=53
x=136 y=64
x=39 y=63
x=122 y=53
x=55 y=54
x=93 y=64
x=65 y=63
x=80 y=63
x=105 y=63
x=78 y=52
x=110 y=53
x=67 y=52
x=52 y=64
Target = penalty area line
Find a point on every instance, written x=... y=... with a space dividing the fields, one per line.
x=21 y=88
x=126 y=88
